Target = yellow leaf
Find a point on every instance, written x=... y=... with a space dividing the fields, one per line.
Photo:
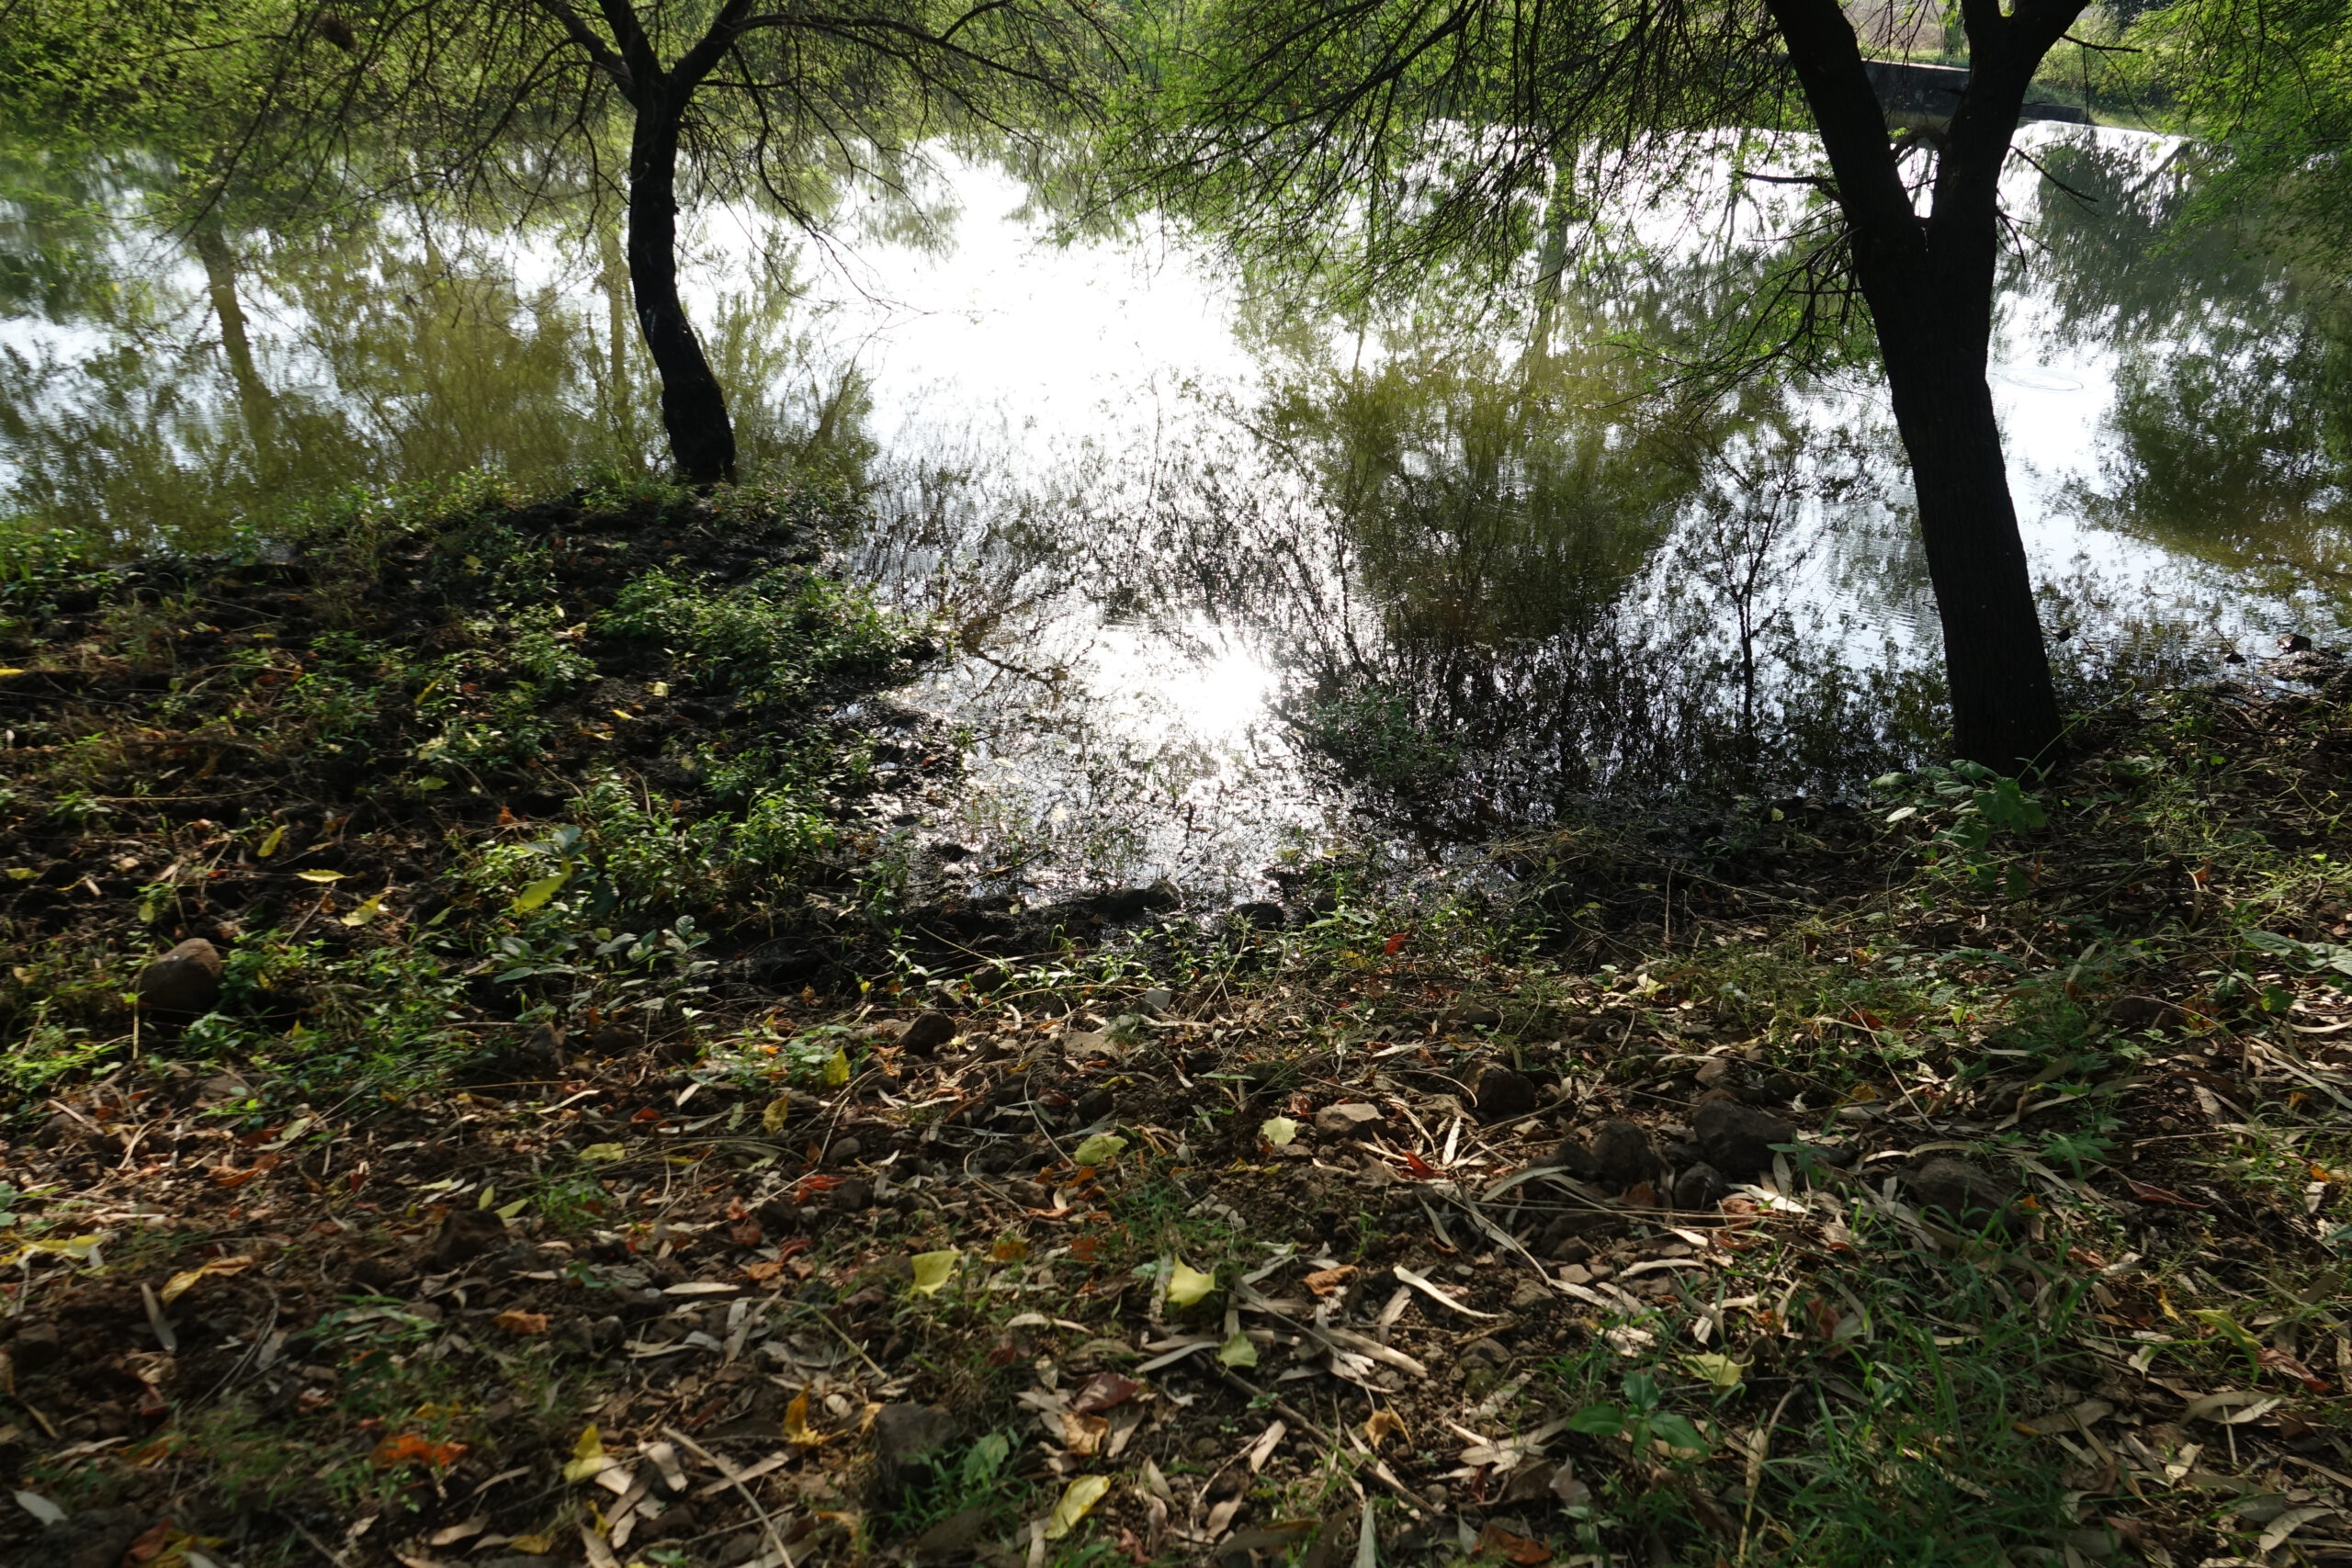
x=10 y=669
x=1718 y=1370
x=933 y=1269
x=603 y=1152
x=1237 y=1351
x=779 y=1109
x=269 y=845
x=796 y=1423
x=1099 y=1149
x=366 y=911
x=321 y=876
x=516 y=1207
x=533 y=1545
x=1278 y=1131
x=1381 y=1424
x=837 y=1069
x=489 y=1196
x=1188 y=1286
x=588 y=1459
x=1077 y=1502
x=539 y=892
x=185 y=1281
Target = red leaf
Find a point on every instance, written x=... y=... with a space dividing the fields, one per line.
x=149 y=1544
x=1103 y=1391
x=1513 y=1548
x=1395 y=944
x=2150 y=1194
x=1419 y=1166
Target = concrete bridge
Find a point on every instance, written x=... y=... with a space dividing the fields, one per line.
x=1923 y=98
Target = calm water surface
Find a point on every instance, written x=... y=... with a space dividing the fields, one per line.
x=1233 y=578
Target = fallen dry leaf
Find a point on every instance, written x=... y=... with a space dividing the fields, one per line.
x=1328 y=1281
x=1502 y=1543
x=1103 y=1391
x=515 y=1320
x=1382 y=1423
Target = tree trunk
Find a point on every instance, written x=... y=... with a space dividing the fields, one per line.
x=1929 y=285
x=693 y=408
x=2004 y=707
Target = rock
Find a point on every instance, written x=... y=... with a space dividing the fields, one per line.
x=1701 y=1187
x=221 y=1087
x=1718 y=1072
x=1155 y=1001
x=1738 y=1139
x=853 y=1195
x=1489 y=1351
x=778 y=1216
x=907 y=1434
x=951 y=1537
x=1502 y=1094
x=927 y=1033
x=2294 y=642
x=1621 y=1155
x=1836 y=1157
x=2136 y=1013
x=844 y=1151
x=1264 y=916
x=538 y=1051
x=184 y=983
x=1346 y=1119
x=1478 y=1017
x=1094 y=1105
x=465 y=1234
x=378 y=1276
x=1374 y=1172
x=614 y=1040
x=92 y=1537
x=1960 y=1192
x=36 y=1348
x=1530 y=1297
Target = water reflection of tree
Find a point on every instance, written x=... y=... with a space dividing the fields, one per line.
x=1536 y=577
x=2231 y=428
x=244 y=370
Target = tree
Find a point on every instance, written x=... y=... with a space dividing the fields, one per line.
x=519 y=98
x=1437 y=125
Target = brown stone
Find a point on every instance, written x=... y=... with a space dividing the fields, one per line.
x=927 y=1033
x=184 y=983
x=465 y=1234
x=1503 y=1094
x=1738 y=1139
x=1345 y=1119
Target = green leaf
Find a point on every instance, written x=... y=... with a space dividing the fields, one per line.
x=836 y=1069
x=1598 y=1421
x=1678 y=1433
x=1718 y=1370
x=1238 y=1351
x=1188 y=1286
x=1279 y=1131
x=988 y=1456
x=933 y=1269
x=1099 y=1149
x=539 y=892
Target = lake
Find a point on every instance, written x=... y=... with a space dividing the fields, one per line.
x=1231 y=577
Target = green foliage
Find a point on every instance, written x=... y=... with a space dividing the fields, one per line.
x=768 y=640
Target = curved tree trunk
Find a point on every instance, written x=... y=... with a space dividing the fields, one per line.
x=693 y=408
x=1929 y=285
x=2004 y=706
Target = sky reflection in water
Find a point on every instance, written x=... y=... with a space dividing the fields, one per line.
x=1232 y=576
